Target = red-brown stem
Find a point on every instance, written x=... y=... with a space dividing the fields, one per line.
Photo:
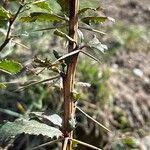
x=68 y=79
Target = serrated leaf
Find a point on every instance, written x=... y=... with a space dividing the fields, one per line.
x=64 y=5
x=2 y=86
x=96 y=44
x=4 y=14
x=11 y=129
x=10 y=66
x=89 y=20
x=41 y=17
x=54 y=118
x=43 y=5
x=63 y=35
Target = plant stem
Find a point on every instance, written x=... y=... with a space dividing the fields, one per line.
x=48 y=143
x=11 y=22
x=68 y=79
x=37 y=82
x=65 y=143
x=9 y=112
x=93 y=119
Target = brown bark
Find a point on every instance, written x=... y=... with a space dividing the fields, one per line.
x=69 y=78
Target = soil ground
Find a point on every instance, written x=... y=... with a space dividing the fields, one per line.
x=131 y=69
x=130 y=78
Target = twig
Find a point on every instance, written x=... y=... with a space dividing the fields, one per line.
x=37 y=82
x=89 y=55
x=41 y=71
x=92 y=119
x=67 y=55
x=24 y=46
x=48 y=143
x=9 y=112
x=76 y=51
x=85 y=144
x=11 y=21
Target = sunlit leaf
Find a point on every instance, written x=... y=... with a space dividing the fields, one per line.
x=10 y=66
x=89 y=20
x=96 y=44
x=74 y=144
x=2 y=86
x=131 y=142
x=11 y=129
x=4 y=14
x=41 y=17
x=54 y=118
x=20 y=107
x=111 y=19
x=76 y=95
x=43 y=5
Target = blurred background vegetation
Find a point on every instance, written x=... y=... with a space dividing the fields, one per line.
x=115 y=92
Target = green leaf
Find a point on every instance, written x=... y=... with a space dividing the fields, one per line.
x=96 y=44
x=56 y=54
x=76 y=95
x=10 y=66
x=72 y=123
x=91 y=29
x=3 y=23
x=43 y=5
x=89 y=20
x=81 y=36
x=88 y=8
x=64 y=5
x=2 y=86
x=63 y=35
x=74 y=145
x=131 y=142
x=4 y=14
x=54 y=118
x=41 y=17
x=11 y=129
